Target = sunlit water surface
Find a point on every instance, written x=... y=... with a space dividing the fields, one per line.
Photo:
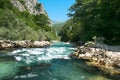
x=50 y=63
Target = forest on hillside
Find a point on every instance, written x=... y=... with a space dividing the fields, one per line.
x=91 y=19
x=16 y=25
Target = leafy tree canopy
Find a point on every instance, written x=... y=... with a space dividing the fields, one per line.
x=96 y=18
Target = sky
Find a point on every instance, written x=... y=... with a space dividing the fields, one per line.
x=57 y=9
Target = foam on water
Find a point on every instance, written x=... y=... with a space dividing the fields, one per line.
x=32 y=55
x=58 y=67
x=26 y=76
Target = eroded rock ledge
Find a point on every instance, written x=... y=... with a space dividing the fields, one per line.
x=4 y=44
x=108 y=61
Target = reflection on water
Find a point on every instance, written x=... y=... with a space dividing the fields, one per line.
x=51 y=63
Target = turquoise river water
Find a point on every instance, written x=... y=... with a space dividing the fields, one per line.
x=50 y=63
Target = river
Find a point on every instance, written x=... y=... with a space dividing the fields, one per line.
x=49 y=63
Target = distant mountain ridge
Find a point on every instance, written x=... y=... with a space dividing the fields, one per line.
x=57 y=22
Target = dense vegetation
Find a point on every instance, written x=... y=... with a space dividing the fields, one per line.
x=91 y=18
x=16 y=25
x=57 y=27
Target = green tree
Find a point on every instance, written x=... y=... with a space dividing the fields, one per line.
x=43 y=21
x=65 y=31
x=5 y=4
x=96 y=18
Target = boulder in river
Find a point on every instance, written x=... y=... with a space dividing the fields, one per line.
x=107 y=61
x=22 y=44
x=41 y=43
x=5 y=44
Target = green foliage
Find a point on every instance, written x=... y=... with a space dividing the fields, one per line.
x=38 y=5
x=42 y=21
x=48 y=36
x=22 y=2
x=65 y=31
x=25 y=17
x=57 y=27
x=6 y=18
x=5 y=4
x=95 y=18
x=16 y=25
x=14 y=29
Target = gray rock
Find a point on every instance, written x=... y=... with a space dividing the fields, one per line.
x=29 y=5
x=23 y=44
x=109 y=60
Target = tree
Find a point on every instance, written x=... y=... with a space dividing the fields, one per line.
x=43 y=21
x=65 y=31
x=5 y=4
x=96 y=18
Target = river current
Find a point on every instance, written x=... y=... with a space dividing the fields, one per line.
x=49 y=63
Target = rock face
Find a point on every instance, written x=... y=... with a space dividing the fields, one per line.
x=40 y=44
x=32 y=6
x=4 y=44
x=18 y=5
x=107 y=61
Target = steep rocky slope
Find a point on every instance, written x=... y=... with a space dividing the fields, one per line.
x=24 y=20
x=32 y=6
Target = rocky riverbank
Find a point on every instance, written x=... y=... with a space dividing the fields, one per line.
x=100 y=57
x=5 y=44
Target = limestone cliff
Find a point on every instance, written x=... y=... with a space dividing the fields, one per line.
x=32 y=6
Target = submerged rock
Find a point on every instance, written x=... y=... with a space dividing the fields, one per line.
x=23 y=70
x=8 y=69
x=98 y=78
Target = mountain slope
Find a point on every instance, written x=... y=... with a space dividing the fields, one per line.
x=32 y=6
x=24 y=20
